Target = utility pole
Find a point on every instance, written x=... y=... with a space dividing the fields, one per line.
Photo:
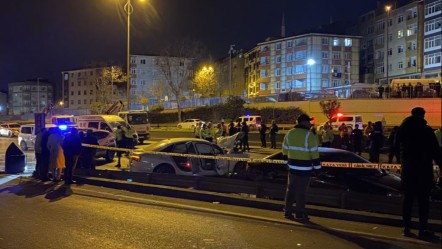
x=231 y=50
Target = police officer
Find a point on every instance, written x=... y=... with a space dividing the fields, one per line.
x=300 y=146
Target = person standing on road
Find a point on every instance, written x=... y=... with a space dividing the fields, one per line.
x=72 y=150
x=119 y=136
x=273 y=131
x=376 y=142
x=245 y=138
x=198 y=129
x=129 y=135
x=56 y=155
x=367 y=131
x=45 y=154
x=356 y=140
x=232 y=129
x=262 y=135
x=38 y=153
x=418 y=148
x=327 y=135
x=300 y=146
x=393 y=150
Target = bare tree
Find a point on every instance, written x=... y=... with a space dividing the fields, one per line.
x=158 y=89
x=106 y=83
x=177 y=63
x=330 y=107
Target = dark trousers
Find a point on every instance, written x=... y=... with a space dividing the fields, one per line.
x=263 y=140
x=245 y=143
x=44 y=166
x=394 y=153
x=120 y=144
x=422 y=194
x=71 y=164
x=296 y=191
x=273 y=140
x=38 y=162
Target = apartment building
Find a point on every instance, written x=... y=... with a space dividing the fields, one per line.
x=231 y=75
x=401 y=42
x=432 y=39
x=148 y=77
x=83 y=87
x=306 y=63
x=30 y=96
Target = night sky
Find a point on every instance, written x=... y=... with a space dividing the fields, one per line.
x=41 y=38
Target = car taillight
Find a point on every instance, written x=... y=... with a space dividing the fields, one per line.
x=135 y=158
x=188 y=165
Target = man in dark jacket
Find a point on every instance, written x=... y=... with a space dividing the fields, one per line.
x=72 y=150
x=418 y=148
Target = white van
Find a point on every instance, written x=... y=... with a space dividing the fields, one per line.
x=253 y=122
x=101 y=122
x=138 y=120
x=349 y=120
x=26 y=136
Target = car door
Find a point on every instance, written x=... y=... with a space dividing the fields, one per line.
x=210 y=166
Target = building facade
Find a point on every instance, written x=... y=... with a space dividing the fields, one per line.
x=31 y=96
x=432 y=39
x=401 y=42
x=231 y=75
x=308 y=63
x=81 y=88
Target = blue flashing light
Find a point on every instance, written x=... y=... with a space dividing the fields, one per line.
x=63 y=127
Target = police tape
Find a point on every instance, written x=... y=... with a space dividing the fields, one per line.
x=239 y=157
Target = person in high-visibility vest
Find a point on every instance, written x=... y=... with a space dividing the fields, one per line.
x=300 y=146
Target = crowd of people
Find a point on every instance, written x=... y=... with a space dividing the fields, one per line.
x=59 y=153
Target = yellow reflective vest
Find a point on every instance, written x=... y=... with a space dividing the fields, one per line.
x=300 y=146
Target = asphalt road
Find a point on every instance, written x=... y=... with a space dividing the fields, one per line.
x=36 y=215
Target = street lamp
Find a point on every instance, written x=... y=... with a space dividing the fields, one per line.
x=129 y=9
x=388 y=8
x=310 y=62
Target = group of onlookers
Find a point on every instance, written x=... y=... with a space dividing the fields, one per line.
x=58 y=153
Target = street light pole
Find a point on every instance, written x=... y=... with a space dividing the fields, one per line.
x=129 y=9
x=388 y=8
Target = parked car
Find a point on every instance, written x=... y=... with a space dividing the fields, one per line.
x=254 y=122
x=104 y=138
x=363 y=180
x=143 y=161
x=9 y=129
x=189 y=123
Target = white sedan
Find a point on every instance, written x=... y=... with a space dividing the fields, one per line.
x=189 y=123
x=149 y=162
x=9 y=129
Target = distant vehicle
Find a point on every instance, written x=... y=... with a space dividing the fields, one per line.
x=137 y=119
x=349 y=120
x=26 y=136
x=9 y=129
x=363 y=180
x=104 y=138
x=101 y=122
x=68 y=120
x=182 y=165
x=189 y=123
x=253 y=122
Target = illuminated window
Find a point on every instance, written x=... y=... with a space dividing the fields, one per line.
x=262 y=86
x=347 y=42
x=400 y=33
x=335 y=41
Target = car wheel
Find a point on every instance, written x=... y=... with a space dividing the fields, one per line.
x=110 y=154
x=23 y=145
x=240 y=170
x=164 y=169
x=180 y=126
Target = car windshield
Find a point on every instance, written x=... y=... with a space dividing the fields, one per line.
x=137 y=118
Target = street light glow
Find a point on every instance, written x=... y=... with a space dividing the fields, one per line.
x=310 y=62
x=387 y=8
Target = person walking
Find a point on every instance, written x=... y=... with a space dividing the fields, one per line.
x=376 y=142
x=418 y=148
x=300 y=146
x=119 y=137
x=72 y=150
x=393 y=149
x=327 y=135
x=273 y=131
x=262 y=135
x=56 y=155
x=356 y=138
x=245 y=136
